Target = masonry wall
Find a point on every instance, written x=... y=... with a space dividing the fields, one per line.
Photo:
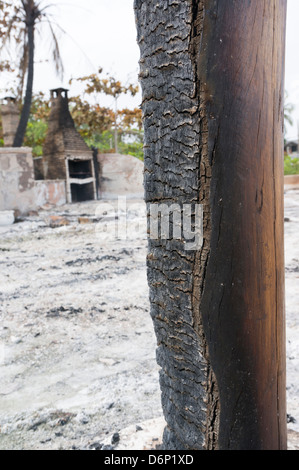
x=291 y=182
x=16 y=179
x=10 y=120
x=50 y=192
x=18 y=188
x=120 y=175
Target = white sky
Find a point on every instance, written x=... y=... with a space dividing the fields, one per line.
x=103 y=33
x=292 y=65
x=100 y=33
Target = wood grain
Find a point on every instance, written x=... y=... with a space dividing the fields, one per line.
x=212 y=76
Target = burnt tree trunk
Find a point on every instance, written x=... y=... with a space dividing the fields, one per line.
x=212 y=75
x=21 y=130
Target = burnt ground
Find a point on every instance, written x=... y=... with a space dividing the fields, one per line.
x=77 y=346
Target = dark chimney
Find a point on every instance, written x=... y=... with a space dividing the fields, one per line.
x=65 y=154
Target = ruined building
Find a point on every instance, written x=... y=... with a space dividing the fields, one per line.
x=10 y=119
x=69 y=171
x=65 y=154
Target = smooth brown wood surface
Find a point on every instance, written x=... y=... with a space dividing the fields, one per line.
x=241 y=73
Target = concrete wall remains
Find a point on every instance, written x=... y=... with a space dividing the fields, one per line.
x=291 y=182
x=18 y=188
x=16 y=179
x=50 y=192
x=120 y=175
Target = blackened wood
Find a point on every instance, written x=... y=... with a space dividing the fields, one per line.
x=22 y=126
x=212 y=79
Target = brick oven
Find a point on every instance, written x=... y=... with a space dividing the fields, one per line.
x=65 y=154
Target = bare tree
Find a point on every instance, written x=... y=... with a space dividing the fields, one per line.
x=212 y=75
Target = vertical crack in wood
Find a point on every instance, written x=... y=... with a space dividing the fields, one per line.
x=202 y=256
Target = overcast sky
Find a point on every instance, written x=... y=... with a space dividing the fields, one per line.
x=99 y=33
x=103 y=33
x=292 y=64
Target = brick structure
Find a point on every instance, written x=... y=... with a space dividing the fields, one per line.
x=10 y=120
x=65 y=154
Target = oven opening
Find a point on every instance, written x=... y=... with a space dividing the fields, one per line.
x=80 y=169
x=82 y=192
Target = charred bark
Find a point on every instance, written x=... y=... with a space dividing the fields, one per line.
x=212 y=78
x=21 y=130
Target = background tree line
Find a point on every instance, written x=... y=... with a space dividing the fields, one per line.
x=109 y=130
x=22 y=22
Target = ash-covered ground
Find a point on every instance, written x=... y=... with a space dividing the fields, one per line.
x=77 y=346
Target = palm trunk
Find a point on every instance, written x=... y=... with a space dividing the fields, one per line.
x=116 y=127
x=21 y=130
x=212 y=79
